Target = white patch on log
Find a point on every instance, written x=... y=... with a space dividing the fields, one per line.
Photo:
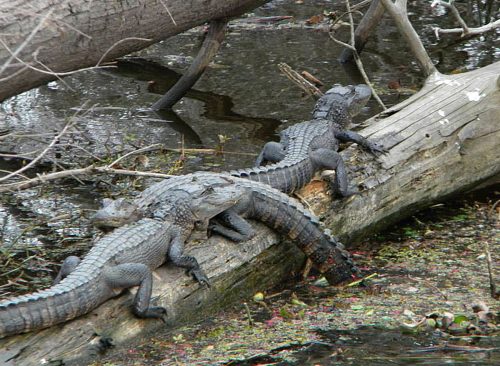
x=441 y=113
x=474 y=96
x=450 y=82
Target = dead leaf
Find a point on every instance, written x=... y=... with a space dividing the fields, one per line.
x=315 y=19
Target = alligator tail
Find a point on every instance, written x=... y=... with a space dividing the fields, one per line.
x=290 y=218
x=45 y=308
x=285 y=177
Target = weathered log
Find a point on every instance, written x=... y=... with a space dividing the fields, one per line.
x=441 y=141
x=65 y=35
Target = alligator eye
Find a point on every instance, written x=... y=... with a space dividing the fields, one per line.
x=208 y=190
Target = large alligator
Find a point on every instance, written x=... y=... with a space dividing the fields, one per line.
x=122 y=259
x=170 y=212
x=310 y=146
x=259 y=201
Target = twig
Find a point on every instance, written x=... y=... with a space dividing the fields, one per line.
x=35 y=57
x=71 y=173
x=471 y=31
x=7 y=171
x=25 y=43
x=451 y=6
x=119 y=42
x=360 y=5
x=250 y=320
x=464 y=30
x=42 y=154
x=493 y=287
x=168 y=11
x=355 y=54
x=298 y=79
x=144 y=149
x=399 y=15
x=14 y=74
x=50 y=72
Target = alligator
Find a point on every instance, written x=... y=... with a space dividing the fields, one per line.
x=259 y=201
x=162 y=220
x=310 y=146
x=119 y=260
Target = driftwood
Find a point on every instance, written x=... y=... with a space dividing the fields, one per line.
x=207 y=52
x=441 y=141
x=40 y=38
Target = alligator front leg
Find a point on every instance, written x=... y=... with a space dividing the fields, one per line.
x=272 y=152
x=67 y=266
x=232 y=226
x=351 y=136
x=127 y=275
x=177 y=257
x=329 y=159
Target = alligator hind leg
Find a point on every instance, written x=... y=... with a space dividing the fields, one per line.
x=232 y=226
x=67 y=266
x=329 y=159
x=272 y=152
x=126 y=275
x=176 y=256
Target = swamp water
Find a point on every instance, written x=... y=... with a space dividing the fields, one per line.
x=241 y=102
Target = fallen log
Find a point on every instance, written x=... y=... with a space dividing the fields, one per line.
x=43 y=40
x=442 y=141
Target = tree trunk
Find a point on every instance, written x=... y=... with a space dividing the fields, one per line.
x=442 y=141
x=65 y=35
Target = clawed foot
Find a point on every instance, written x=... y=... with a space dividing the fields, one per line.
x=334 y=191
x=377 y=149
x=200 y=277
x=158 y=312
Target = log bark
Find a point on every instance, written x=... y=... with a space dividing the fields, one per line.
x=441 y=142
x=65 y=35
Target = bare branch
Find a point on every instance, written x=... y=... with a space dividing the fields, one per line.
x=355 y=54
x=120 y=42
x=42 y=154
x=451 y=6
x=144 y=149
x=298 y=79
x=27 y=65
x=470 y=31
x=72 y=173
x=25 y=43
x=399 y=15
x=168 y=11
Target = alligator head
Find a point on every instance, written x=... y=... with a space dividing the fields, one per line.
x=342 y=102
x=116 y=213
x=198 y=208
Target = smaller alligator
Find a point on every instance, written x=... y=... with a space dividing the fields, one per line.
x=310 y=146
x=259 y=201
x=122 y=259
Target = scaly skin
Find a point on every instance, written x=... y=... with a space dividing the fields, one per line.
x=124 y=258
x=306 y=147
x=258 y=201
x=310 y=146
